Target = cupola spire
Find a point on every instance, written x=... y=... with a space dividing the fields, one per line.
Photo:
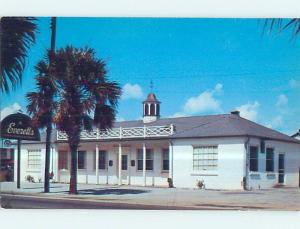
x=151 y=107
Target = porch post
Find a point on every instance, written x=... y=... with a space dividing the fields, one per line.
x=170 y=160
x=97 y=163
x=120 y=164
x=144 y=163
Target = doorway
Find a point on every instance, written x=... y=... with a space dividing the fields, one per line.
x=124 y=171
x=281 y=172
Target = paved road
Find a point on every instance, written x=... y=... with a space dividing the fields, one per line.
x=30 y=202
x=131 y=197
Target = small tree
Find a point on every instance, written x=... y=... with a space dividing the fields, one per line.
x=42 y=106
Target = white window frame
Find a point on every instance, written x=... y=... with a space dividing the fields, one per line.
x=34 y=159
x=205 y=158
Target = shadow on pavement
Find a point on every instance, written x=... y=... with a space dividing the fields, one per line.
x=109 y=191
x=230 y=206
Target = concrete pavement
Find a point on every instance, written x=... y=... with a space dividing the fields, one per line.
x=132 y=197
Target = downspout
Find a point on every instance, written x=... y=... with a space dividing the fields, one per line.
x=246 y=178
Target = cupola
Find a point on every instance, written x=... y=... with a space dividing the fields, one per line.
x=151 y=108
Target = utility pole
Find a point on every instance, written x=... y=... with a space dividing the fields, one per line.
x=49 y=127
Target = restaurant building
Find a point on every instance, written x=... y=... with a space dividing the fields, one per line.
x=222 y=151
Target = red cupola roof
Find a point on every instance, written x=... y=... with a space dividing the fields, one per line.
x=151 y=98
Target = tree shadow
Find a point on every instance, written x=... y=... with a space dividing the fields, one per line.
x=108 y=191
x=111 y=191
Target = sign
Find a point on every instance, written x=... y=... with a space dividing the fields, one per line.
x=19 y=126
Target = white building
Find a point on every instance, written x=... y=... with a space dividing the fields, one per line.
x=220 y=151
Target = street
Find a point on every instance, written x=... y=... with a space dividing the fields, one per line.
x=135 y=197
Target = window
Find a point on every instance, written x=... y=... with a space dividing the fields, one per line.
x=149 y=159
x=63 y=160
x=124 y=162
x=81 y=159
x=34 y=159
x=253 y=158
x=165 y=158
x=152 y=111
x=270 y=160
x=205 y=158
x=146 y=109
x=102 y=159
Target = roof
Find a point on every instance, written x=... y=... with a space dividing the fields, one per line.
x=296 y=134
x=224 y=125
x=151 y=98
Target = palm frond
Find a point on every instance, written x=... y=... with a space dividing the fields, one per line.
x=278 y=25
x=17 y=35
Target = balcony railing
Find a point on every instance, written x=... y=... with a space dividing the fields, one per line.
x=122 y=133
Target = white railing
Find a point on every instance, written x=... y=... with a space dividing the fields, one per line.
x=122 y=133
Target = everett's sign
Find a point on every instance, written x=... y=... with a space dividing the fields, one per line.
x=19 y=126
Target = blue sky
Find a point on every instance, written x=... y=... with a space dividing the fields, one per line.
x=198 y=66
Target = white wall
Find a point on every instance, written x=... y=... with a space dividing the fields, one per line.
x=25 y=170
x=111 y=176
x=262 y=179
x=230 y=170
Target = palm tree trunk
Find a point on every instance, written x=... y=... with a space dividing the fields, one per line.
x=73 y=177
x=47 y=159
x=49 y=126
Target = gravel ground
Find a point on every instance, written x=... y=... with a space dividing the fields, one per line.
x=272 y=199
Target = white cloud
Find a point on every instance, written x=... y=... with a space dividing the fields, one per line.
x=120 y=119
x=10 y=110
x=282 y=100
x=276 y=122
x=177 y=115
x=249 y=110
x=218 y=87
x=204 y=102
x=132 y=91
x=294 y=83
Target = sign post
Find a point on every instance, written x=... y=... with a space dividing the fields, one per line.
x=19 y=126
x=19 y=165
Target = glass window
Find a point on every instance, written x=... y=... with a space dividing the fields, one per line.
x=165 y=158
x=81 y=159
x=63 y=160
x=149 y=159
x=34 y=159
x=270 y=160
x=253 y=158
x=205 y=158
x=124 y=162
x=102 y=159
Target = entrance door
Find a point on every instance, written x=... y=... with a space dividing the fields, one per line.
x=281 y=169
x=124 y=165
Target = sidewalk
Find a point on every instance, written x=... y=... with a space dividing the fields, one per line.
x=273 y=199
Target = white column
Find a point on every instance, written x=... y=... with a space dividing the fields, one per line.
x=129 y=165
x=144 y=163
x=149 y=112
x=170 y=160
x=120 y=164
x=97 y=163
x=155 y=109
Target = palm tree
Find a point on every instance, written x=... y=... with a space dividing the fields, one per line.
x=17 y=34
x=42 y=106
x=85 y=97
x=280 y=25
